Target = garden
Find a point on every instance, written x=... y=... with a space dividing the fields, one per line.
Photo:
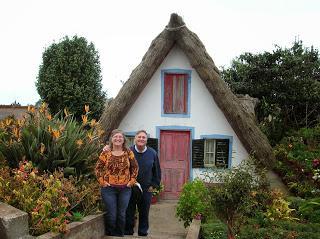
x=286 y=83
x=47 y=167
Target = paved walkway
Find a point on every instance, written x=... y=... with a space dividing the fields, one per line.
x=163 y=222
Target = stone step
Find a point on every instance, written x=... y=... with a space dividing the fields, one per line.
x=151 y=236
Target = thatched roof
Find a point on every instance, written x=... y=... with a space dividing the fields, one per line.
x=177 y=34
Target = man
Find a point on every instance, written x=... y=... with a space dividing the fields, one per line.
x=149 y=177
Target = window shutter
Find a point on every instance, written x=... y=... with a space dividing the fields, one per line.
x=198 y=153
x=222 y=153
x=153 y=143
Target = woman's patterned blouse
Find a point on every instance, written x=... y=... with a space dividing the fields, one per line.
x=117 y=170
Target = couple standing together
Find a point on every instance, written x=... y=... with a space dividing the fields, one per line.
x=119 y=169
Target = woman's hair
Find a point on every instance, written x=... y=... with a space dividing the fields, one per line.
x=118 y=131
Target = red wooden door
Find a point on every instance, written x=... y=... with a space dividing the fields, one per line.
x=174 y=161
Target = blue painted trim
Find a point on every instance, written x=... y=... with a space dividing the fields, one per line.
x=221 y=136
x=176 y=71
x=178 y=128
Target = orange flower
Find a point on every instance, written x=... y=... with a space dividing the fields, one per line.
x=55 y=134
x=49 y=117
x=84 y=119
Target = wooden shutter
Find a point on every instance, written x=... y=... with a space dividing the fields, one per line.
x=175 y=93
x=153 y=143
x=198 y=153
x=222 y=153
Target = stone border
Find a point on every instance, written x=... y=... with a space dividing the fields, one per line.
x=91 y=226
x=14 y=224
x=194 y=229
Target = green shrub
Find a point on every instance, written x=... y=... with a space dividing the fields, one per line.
x=280 y=230
x=310 y=210
x=193 y=202
x=213 y=229
x=231 y=199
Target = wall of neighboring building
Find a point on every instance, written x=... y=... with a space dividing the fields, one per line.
x=205 y=118
x=8 y=110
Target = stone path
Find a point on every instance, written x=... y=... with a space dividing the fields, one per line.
x=163 y=223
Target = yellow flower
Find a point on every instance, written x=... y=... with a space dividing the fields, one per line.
x=8 y=121
x=93 y=123
x=49 y=129
x=16 y=132
x=66 y=113
x=20 y=122
x=43 y=107
x=90 y=136
x=86 y=108
x=100 y=132
x=42 y=148
x=31 y=109
x=79 y=142
x=84 y=119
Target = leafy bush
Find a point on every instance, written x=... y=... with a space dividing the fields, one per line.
x=51 y=141
x=193 y=202
x=49 y=199
x=298 y=161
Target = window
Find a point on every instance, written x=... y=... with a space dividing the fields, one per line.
x=130 y=140
x=213 y=151
x=175 y=93
x=216 y=153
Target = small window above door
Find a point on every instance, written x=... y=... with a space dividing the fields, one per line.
x=176 y=93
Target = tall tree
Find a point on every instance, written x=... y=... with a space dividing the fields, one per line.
x=70 y=77
x=287 y=81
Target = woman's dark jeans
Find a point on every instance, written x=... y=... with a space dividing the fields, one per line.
x=116 y=201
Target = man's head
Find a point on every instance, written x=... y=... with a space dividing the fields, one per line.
x=141 y=138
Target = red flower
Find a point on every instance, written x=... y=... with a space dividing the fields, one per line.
x=316 y=163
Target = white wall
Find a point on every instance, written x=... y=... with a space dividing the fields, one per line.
x=205 y=116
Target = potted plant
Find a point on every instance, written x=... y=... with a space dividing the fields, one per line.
x=156 y=193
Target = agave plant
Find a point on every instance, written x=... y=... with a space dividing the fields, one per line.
x=52 y=142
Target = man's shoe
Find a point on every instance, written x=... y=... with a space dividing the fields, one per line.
x=129 y=233
x=142 y=234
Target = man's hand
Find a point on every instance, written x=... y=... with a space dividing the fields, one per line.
x=106 y=148
x=151 y=189
x=106 y=185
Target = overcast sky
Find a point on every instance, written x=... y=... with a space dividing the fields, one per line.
x=123 y=30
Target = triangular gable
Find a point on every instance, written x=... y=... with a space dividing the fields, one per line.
x=177 y=33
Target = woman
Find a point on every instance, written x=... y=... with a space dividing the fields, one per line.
x=116 y=171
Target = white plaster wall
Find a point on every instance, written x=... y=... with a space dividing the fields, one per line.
x=205 y=116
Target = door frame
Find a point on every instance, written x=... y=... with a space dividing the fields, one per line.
x=178 y=128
